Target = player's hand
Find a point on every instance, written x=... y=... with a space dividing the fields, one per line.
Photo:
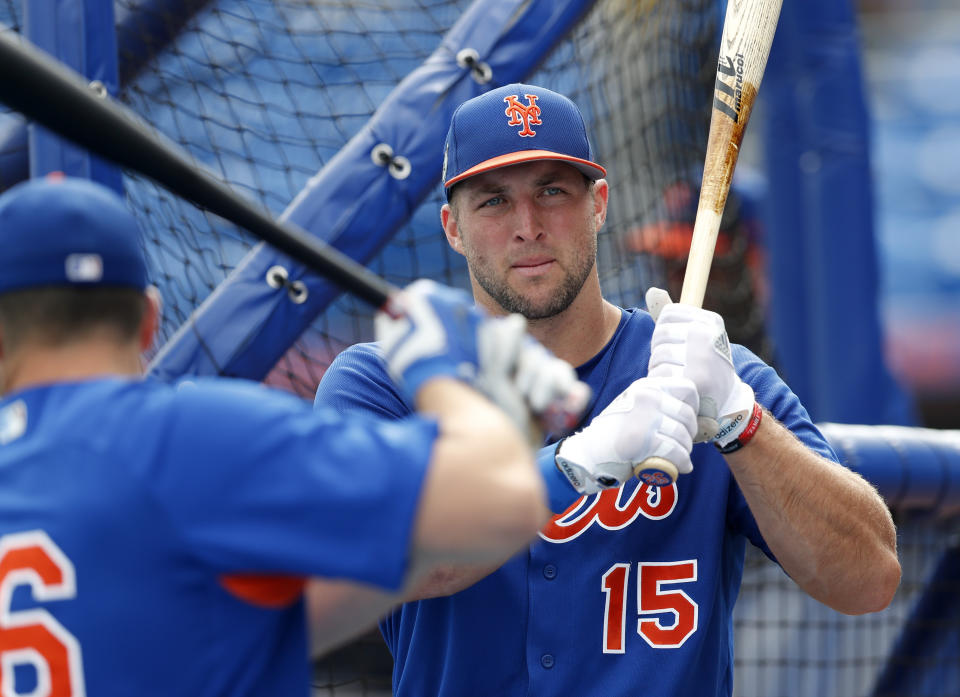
x=653 y=417
x=526 y=380
x=441 y=333
x=434 y=336
x=691 y=342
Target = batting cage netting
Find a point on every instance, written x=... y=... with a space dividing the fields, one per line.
x=310 y=107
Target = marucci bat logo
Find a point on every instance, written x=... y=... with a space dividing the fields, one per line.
x=732 y=69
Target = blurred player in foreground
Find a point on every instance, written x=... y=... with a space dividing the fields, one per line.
x=631 y=590
x=156 y=540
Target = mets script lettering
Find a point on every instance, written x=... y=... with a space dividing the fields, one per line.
x=609 y=511
x=525 y=115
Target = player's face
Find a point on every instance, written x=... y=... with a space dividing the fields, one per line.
x=529 y=234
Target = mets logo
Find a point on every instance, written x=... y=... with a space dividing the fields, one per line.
x=523 y=114
x=611 y=509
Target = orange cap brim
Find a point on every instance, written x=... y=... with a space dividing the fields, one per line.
x=591 y=169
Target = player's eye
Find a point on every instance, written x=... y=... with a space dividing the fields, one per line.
x=491 y=202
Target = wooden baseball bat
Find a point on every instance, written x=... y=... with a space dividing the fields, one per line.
x=748 y=30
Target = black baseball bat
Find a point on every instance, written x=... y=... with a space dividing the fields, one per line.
x=58 y=98
x=45 y=90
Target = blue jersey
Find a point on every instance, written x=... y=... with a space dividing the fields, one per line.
x=631 y=591
x=154 y=540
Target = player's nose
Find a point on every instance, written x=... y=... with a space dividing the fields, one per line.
x=528 y=225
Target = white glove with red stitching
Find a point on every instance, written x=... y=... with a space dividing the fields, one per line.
x=434 y=334
x=441 y=332
x=653 y=417
x=524 y=378
x=692 y=342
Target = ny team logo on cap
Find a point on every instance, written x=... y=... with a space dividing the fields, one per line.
x=523 y=114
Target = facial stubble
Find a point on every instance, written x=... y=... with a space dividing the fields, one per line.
x=511 y=300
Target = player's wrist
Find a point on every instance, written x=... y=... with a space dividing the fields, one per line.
x=735 y=413
x=422 y=372
x=744 y=435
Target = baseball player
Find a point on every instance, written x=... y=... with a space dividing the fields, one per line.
x=155 y=540
x=628 y=590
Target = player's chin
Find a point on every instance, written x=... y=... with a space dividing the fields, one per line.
x=546 y=278
x=540 y=305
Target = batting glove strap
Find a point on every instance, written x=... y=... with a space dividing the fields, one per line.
x=736 y=412
x=749 y=430
x=601 y=475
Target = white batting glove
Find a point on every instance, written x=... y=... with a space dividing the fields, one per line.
x=653 y=417
x=441 y=333
x=691 y=342
x=436 y=335
x=525 y=379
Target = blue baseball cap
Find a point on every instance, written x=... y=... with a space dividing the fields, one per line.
x=513 y=124
x=60 y=231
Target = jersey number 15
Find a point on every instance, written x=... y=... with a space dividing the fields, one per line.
x=654 y=600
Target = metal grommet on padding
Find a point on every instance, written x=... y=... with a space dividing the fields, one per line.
x=382 y=154
x=398 y=165
x=298 y=292
x=277 y=276
x=480 y=71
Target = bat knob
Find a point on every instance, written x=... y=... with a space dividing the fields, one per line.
x=656 y=471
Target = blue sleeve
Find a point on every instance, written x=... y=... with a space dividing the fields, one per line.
x=357 y=380
x=259 y=482
x=560 y=492
x=772 y=393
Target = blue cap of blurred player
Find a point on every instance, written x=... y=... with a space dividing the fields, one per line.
x=513 y=124
x=60 y=231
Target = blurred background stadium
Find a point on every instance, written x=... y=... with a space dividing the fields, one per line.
x=912 y=58
x=839 y=259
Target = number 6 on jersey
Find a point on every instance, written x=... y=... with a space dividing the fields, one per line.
x=33 y=638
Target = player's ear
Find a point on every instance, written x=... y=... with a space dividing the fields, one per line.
x=150 y=323
x=601 y=191
x=450 y=228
